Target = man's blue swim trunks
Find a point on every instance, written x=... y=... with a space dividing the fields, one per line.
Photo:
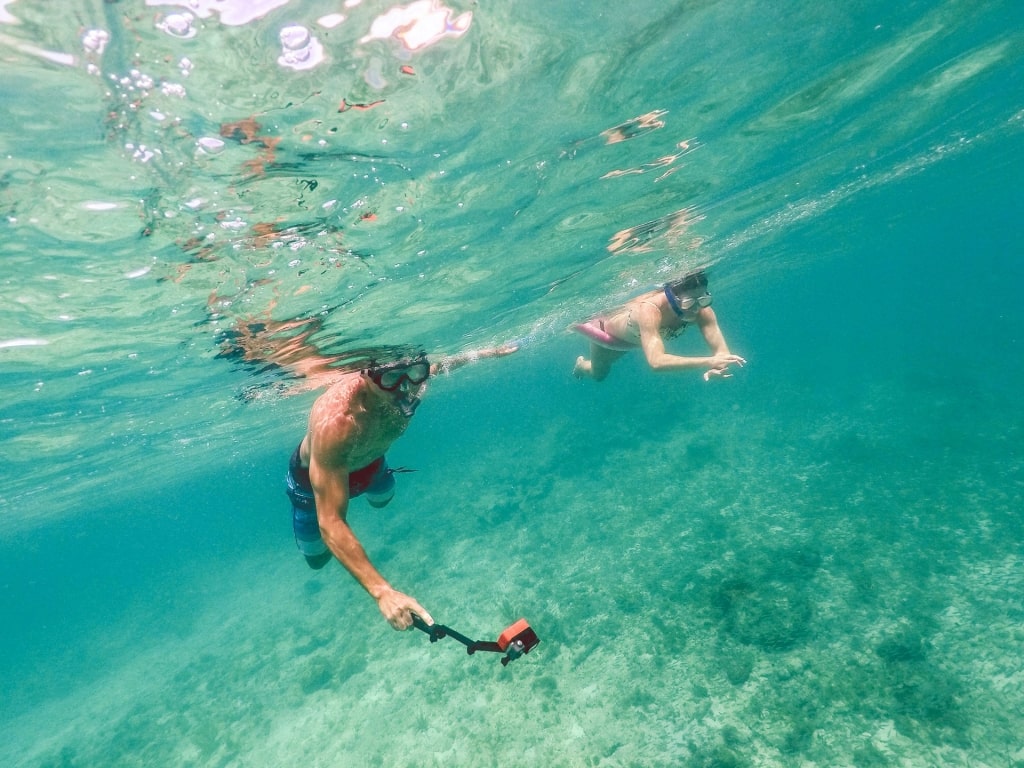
x=375 y=480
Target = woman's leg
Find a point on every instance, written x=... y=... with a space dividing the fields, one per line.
x=599 y=364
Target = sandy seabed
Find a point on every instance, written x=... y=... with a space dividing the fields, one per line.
x=840 y=596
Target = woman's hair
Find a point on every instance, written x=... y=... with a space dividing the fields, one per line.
x=696 y=279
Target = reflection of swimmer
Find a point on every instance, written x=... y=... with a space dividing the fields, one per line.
x=667 y=162
x=247 y=132
x=639 y=238
x=646 y=321
x=636 y=127
x=321 y=235
x=285 y=346
x=630 y=129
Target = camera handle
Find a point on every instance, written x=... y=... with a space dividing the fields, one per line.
x=516 y=640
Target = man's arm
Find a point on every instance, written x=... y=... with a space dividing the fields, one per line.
x=451 y=363
x=330 y=489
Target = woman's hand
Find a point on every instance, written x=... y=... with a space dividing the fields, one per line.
x=719 y=366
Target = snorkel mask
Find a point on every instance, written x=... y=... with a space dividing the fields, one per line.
x=690 y=284
x=404 y=377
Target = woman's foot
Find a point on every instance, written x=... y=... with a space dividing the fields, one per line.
x=582 y=368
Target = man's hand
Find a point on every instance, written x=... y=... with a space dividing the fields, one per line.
x=719 y=366
x=398 y=609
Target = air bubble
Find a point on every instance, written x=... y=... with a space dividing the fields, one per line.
x=95 y=40
x=173 y=89
x=210 y=145
x=178 y=25
x=299 y=49
x=294 y=38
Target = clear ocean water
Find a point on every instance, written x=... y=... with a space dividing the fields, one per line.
x=817 y=562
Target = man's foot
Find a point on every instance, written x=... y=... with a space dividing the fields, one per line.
x=316 y=562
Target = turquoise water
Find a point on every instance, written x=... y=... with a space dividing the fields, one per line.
x=816 y=562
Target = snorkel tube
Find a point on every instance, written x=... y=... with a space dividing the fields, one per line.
x=408 y=404
x=673 y=301
x=514 y=641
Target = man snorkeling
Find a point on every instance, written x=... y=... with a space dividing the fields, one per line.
x=647 y=320
x=351 y=426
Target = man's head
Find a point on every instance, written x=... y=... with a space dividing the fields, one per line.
x=405 y=379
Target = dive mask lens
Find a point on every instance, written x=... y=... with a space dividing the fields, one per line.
x=390 y=380
x=687 y=303
x=415 y=373
x=418 y=372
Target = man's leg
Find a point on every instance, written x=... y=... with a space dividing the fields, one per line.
x=382 y=487
x=307 y=537
x=305 y=525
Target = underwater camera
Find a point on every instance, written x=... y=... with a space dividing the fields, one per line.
x=514 y=641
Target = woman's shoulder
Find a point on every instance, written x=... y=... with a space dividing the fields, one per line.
x=652 y=298
x=650 y=305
